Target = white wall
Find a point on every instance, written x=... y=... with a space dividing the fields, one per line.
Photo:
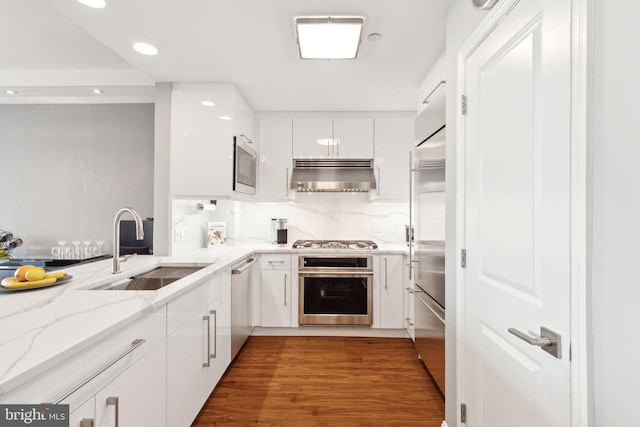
x=615 y=286
x=67 y=169
x=462 y=20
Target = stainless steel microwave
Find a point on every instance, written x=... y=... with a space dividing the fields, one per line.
x=244 y=165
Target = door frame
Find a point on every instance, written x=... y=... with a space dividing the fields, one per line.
x=580 y=193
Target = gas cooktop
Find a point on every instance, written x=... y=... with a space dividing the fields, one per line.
x=334 y=244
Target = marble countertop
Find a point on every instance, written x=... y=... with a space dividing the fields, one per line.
x=36 y=325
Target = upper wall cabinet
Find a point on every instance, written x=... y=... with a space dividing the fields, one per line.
x=333 y=137
x=274 y=159
x=202 y=134
x=432 y=97
x=394 y=139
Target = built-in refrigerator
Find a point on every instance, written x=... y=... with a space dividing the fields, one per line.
x=427 y=253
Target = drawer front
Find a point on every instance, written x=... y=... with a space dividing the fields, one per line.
x=91 y=369
x=275 y=261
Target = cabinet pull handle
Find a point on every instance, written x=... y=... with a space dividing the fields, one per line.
x=135 y=344
x=205 y=364
x=409 y=321
x=115 y=402
x=87 y=422
x=215 y=335
x=379 y=182
x=285 y=289
x=276 y=262
x=385 y=274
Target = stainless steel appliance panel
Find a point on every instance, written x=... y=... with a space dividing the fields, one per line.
x=429 y=269
x=335 y=290
x=241 y=278
x=244 y=167
x=429 y=330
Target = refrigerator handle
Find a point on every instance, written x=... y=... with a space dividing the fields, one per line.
x=410 y=234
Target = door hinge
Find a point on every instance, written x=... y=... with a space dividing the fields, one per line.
x=463 y=413
x=463 y=104
x=463 y=258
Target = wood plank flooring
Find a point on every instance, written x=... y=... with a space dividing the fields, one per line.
x=325 y=381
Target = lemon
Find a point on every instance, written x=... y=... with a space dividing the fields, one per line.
x=34 y=274
x=22 y=271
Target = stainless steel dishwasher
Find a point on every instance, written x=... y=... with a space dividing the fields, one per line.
x=241 y=279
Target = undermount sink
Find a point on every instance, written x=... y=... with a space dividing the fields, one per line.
x=149 y=281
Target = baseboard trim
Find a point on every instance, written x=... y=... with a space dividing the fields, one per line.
x=328 y=331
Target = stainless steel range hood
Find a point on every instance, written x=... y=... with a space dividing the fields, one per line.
x=333 y=175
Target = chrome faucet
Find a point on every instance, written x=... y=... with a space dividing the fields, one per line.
x=116 y=235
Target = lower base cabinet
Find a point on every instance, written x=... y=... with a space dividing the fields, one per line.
x=85 y=415
x=137 y=396
x=198 y=353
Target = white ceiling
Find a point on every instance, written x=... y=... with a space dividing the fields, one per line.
x=60 y=49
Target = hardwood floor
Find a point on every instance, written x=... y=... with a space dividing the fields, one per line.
x=325 y=381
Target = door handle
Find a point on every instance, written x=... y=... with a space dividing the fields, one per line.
x=206 y=363
x=115 y=402
x=549 y=341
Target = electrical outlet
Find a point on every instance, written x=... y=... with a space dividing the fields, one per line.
x=185 y=234
x=377 y=229
x=176 y=234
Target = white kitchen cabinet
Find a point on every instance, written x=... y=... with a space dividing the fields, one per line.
x=354 y=136
x=201 y=141
x=199 y=350
x=391 y=283
x=85 y=415
x=394 y=138
x=338 y=137
x=137 y=397
x=312 y=137
x=276 y=302
x=275 y=159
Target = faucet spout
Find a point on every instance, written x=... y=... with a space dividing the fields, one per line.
x=116 y=235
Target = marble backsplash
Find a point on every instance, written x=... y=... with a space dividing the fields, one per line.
x=312 y=216
x=326 y=216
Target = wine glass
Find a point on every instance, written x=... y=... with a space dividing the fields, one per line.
x=64 y=250
x=87 y=249
x=77 y=252
x=99 y=244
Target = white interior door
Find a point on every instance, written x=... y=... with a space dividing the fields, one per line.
x=517 y=211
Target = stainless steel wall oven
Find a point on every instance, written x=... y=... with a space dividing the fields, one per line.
x=335 y=290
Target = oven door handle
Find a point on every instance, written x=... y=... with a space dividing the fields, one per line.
x=334 y=273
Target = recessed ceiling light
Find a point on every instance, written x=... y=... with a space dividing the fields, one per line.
x=329 y=37
x=208 y=103
x=96 y=4
x=10 y=92
x=145 y=48
x=224 y=118
x=374 y=37
x=97 y=91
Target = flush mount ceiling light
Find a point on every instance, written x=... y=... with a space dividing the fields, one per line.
x=328 y=37
x=97 y=91
x=224 y=118
x=96 y=4
x=145 y=48
x=208 y=103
